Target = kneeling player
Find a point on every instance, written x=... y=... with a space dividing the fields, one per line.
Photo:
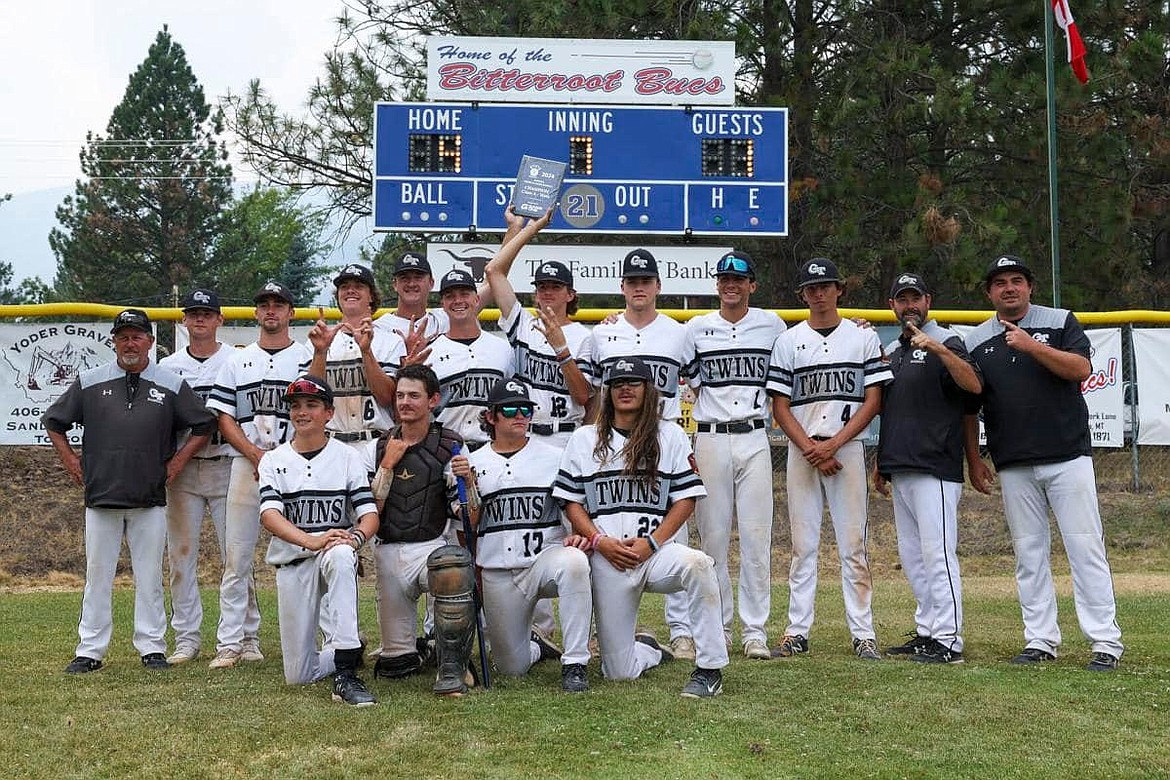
x=628 y=484
x=522 y=545
x=310 y=490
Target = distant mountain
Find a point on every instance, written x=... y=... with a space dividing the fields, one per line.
x=27 y=219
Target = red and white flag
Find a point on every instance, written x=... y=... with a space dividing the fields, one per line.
x=1076 y=47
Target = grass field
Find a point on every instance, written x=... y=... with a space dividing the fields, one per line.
x=825 y=715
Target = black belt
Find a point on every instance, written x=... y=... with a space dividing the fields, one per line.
x=820 y=438
x=350 y=436
x=216 y=457
x=743 y=426
x=549 y=430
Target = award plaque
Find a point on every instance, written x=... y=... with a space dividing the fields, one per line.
x=538 y=186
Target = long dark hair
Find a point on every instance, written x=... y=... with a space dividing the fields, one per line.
x=640 y=453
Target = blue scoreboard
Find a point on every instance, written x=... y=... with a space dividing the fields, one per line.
x=450 y=167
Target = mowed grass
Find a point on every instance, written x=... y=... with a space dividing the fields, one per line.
x=824 y=715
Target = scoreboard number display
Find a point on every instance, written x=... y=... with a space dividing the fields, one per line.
x=450 y=167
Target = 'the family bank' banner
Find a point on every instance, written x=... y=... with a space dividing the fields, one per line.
x=1151 y=349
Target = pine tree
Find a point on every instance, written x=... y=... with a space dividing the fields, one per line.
x=145 y=215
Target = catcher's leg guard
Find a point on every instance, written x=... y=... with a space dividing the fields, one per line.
x=451 y=578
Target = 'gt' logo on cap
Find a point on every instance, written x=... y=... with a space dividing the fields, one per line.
x=454 y=275
x=816 y=270
x=1001 y=262
x=907 y=279
x=272 y=287
x=201 y=297
x=624 y=365
x=638 y=261
x=410 y=260
x=352 y=269
x=551 y=270
x=515 y=387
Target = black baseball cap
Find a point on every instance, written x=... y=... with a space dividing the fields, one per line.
x=639 y=263
x=201 y=299
x=509 y=392
x=552 y=271
x=274 y=290
x=909 y=281
x=412 y=261
x=629 y=368
x=309 y=386
x=456 y=277
x=1005 y=263
x=817 y=270
x=355 y=271
x=132 y=318
x=736 y=263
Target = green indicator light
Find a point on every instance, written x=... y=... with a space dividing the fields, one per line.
x=718 y=220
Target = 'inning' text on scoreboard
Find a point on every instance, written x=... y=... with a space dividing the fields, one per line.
x=450 y=167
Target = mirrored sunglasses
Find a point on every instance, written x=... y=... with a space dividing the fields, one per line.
x=732 y=263
x=512 y=411
x=627 y=382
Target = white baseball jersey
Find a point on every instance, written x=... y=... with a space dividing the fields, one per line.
x=467 y=373
x=729 y=360
x=436 y=320
x=825 y=377
x=200 y=373
x=328 y=490
x=660 y=344
x=354 y=407
x=250 y=387
x=621 y=505
x=538 y=369
x=519 y=517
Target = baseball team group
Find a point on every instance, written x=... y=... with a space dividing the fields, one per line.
x=464 y=460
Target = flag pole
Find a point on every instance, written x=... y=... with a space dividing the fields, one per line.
x=1053 y=205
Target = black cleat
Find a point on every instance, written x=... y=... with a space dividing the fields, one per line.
x=650 y=640
x=349 y=688
x=155 y=661
x=790 y=645
x=1103 y=662
x=917 y=643
x=1033 y=655
x=398 y=666
x=83 y=664
x=548 y=651
x=574 y=679
x=937 y=653
x=704 y=684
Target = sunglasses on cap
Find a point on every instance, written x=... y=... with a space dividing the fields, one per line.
x=512 y=411
x=732 y=263
x=627 y=382
x=305 y=387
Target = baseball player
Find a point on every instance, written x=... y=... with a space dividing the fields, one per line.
x=731 y=349
x=523 y=549
x=132 y=412
x=1033 y=360
x=920 y=460
x=627 y=484
x=311 y=490
x=640 y=331
x=253 y=418
x=548 y=345
x=467 y=361
x=412 y=321
x=826 y=375
x=201 y=487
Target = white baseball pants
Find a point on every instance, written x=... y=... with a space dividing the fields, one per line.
x=1070 y=489
x=675 y=568
x=845 y=493
x=239 y=618
x=145 y=530
x=510 y=595
x=300 y=588
x=402 y=578
x=737 y=471
x=926 y=518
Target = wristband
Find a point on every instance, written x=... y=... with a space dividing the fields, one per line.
x=358 y=537
x=654 y=546
x=566 y=360
x=593 y=540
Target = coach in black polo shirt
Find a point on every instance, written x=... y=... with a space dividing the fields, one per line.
x=921 y=456
x=1033 y=360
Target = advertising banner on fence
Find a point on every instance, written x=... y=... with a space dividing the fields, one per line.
x=40 y=361
x=1151 y=349
x=568 y=70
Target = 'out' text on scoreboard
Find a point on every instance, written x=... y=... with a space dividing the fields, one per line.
x=449 y=167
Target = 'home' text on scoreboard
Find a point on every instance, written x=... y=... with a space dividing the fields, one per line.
x=449 y=167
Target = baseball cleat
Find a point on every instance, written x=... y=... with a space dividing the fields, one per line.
x=937 y=653
x=395 y=667
x=704 y=684
x=182 y=655
x=82 y=665
x=1033 y=655
x=683 y=647
x=574 y=679
x=225 y=659
x=866 y=649
x=155 y=661
x=651 y=641
x=917 y=643
x=1103 y=662
x=250 y=651
x=756 y=649
x=790 y=645
x=349 y=688
x=548 y=651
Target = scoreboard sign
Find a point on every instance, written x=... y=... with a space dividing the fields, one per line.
x=450 y=167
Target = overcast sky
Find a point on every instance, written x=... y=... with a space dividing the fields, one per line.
x=64 y=66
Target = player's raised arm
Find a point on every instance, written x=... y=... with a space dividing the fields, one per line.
x=520 y=232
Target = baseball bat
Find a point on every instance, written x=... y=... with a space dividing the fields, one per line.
x=477 y=598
